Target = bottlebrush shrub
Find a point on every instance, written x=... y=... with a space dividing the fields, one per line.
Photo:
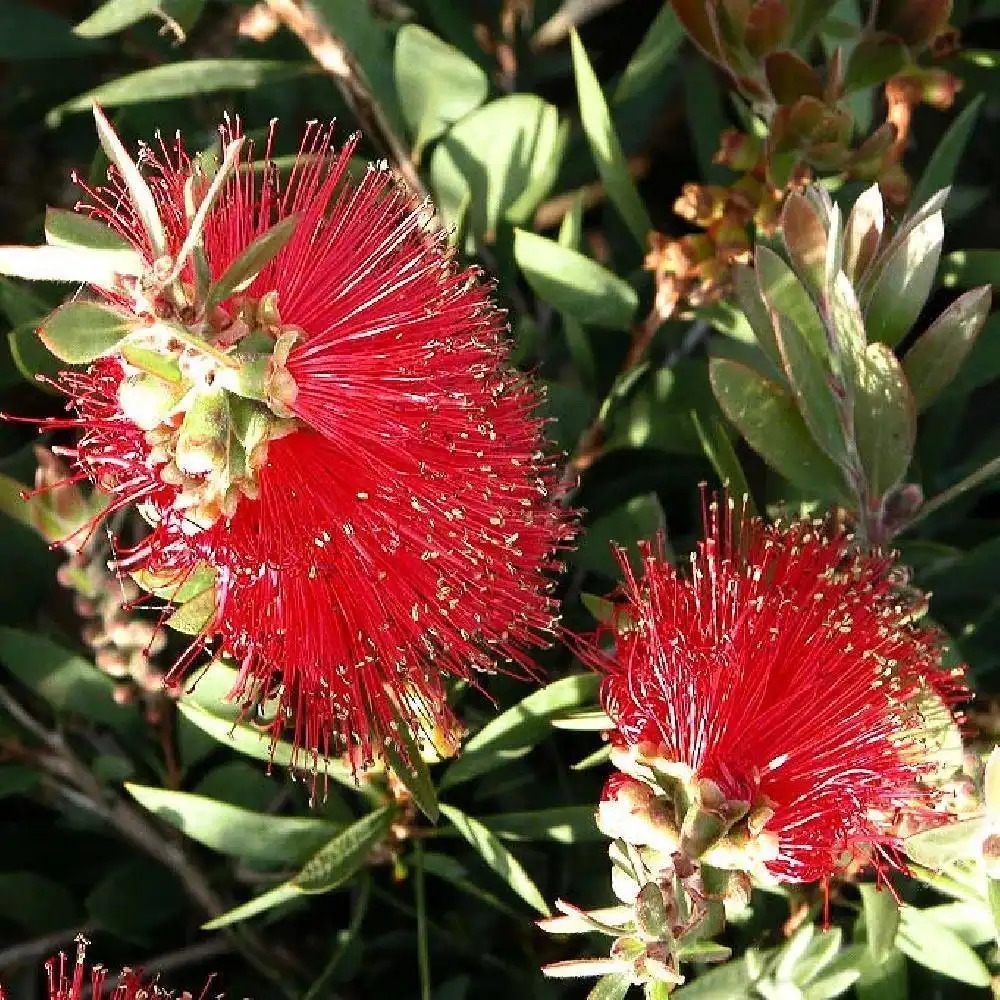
x=348 y=490
x=778 y=713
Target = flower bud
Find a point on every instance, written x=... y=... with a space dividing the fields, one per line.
x=203 y=441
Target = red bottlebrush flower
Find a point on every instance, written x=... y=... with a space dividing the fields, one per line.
x=783 y=680
x=335 y=437
x=71 y=983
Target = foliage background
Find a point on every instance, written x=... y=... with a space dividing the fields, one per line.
x=430 y=917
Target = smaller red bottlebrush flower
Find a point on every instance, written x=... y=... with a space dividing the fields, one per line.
x=309 y=402
x=781 y=697
x=68 y=981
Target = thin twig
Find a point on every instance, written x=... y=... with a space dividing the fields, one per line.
x=335 y=58
x=971 y=481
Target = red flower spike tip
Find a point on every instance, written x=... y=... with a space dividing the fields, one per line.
x=72 y=981
x=786 y=684
x=331 y=430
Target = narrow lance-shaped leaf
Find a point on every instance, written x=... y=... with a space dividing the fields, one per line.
x=138 y=190
x=230 y=830
x=766 y=415
x=335 y=863
x=812 y=382
x=115 y=15
x=436 y=83
x=805 y=237
x=197 y=223
x=497 y=857
x=863 y=232
x=943 y=164
x=885 y=420
x=941 y=350
x=71 y=229
x=931 y=944
x=519 y=729
x=76 y=265
x=904 y=281
x=258 y=254
x=79 y=332
x=409 y=766
x=881 y=920
x=605 y=147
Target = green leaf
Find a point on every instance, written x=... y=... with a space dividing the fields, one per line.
x=730 y=981
x=753 y=307
x=802 y=343
x=408 y=764
x=943 y=164
x=605 y=147
x=881 y=921
x=71 y=229
x=182 y=79
x=502 y=157
x=21 y=305
x=247 y=740
x=613 y=986
x=811 y=378
x=933 y=945
x=115 y=15
x=766 y=415
x=497 y=857
x=564 y=824
x=138 y=190
x=13 y=504
x=29 y=32
x=938 y=847
x=655 y=52
x=885 y=420
x=174 y=587
x=883 y=982
x=265 y=901
x=876 y=57
x=720 y=452
x=895 y=299
x=573 y=283
x=972 y=922
x=941 y=350
x=79 y=332
x=437 y=85
x=354 y=23
x=193 y=615
x=638 y=519
x=447 y=868
x=67 y=682
x=517 y=731
x=31 y=358
x=75 y=265
x=335 y=863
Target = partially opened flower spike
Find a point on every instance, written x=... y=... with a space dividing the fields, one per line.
x=778 y=706
x=77 y=979
x=309 y=402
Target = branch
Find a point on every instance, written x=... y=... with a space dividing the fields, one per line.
x=334 y=57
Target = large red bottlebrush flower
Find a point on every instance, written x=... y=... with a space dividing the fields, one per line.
x=788 y=686
x=66 y=981
x=334 y=439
